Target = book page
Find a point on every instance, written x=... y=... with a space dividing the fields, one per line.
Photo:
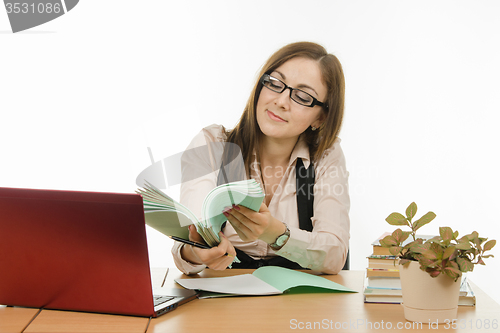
x=246 y=284
x=170 y=223
x=246 y=193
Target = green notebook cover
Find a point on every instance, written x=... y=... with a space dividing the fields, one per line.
x=268 y=280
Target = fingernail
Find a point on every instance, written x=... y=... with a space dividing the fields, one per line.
x=225 y=213
x=236 y=207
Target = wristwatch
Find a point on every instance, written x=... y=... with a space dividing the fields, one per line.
x=281 y=240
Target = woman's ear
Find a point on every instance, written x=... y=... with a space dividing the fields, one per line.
x=319 y=121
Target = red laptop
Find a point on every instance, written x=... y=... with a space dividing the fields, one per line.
x=82 y=251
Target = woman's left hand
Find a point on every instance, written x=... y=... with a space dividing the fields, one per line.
x=251 y=225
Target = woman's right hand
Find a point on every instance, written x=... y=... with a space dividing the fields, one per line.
x=216 y=258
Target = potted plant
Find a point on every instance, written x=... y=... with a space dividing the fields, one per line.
x=431 y=269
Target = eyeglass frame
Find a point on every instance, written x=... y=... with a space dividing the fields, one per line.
x=314 y=102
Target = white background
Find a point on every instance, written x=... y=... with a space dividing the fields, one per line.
x=83 y=96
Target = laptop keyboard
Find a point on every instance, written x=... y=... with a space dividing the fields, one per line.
x=161 y=299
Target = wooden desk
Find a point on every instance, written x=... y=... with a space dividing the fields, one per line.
x=15 y=319
x=331 y=312
x=283 y=313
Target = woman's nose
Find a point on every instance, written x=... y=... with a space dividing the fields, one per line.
x=283 y=99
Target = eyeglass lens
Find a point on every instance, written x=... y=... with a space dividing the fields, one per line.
x=296 y=95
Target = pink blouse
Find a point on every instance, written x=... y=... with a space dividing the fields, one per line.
x=325 y=248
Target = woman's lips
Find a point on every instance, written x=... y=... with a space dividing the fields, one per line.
x=275 y=117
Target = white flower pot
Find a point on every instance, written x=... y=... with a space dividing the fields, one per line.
x=427 y=299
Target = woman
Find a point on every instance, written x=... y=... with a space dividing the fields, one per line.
x=293 y=115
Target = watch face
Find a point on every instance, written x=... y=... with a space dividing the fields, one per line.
x=281 y=240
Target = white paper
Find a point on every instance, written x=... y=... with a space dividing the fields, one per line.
x=246 y=284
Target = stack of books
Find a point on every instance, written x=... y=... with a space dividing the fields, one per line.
x=382 y=283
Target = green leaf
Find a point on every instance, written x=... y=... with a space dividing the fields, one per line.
x=405 y=261
x=489 y=245
x=433 y=272
x=395 y=250
x=425 y=262
x=418 y=256
x=423 y=220
x=419 y=248
x=477 y=242
x=411 y=211
x=452 y=272
x=405 y=236
x=465 y=265
x=463 y=246
x=397 y=235
x=400 y=236
x=448 y=252
x=388 y=241
x=396 y=219
x=473 y=237
x=430 y=254
x=435 y=239
x=410 y=244
x=446 y=233
x=437 y=248
x=453 y=264
x=463 y=239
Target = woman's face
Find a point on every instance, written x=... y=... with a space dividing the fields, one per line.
x=280 y=117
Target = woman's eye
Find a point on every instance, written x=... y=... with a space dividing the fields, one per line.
x=275 y=83
x=303 y=97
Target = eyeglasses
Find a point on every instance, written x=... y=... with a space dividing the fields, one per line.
x=297 y=95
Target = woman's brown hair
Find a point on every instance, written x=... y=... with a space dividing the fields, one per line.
x=247 y=132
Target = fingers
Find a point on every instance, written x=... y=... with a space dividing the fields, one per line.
x=194 y=235
x=229 y=253
x=243 y=231
x=217 y=258
x=251 y=225
x=263 y=208
x=247 y=223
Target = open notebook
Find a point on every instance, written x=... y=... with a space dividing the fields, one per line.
x=267 y=280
